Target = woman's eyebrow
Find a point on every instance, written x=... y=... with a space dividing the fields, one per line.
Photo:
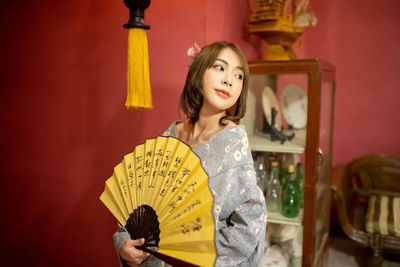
x=223 y=61
x=226 y=63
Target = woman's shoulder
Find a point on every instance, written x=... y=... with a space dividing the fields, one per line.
x=229 y=123
x=173 y=129
x=180 y=126
x=226 y=150
x=234 y=131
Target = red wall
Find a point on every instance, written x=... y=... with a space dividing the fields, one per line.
x=362 y=38
x=64 y=124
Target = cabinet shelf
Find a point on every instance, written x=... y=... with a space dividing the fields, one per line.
x=262 y=142
x=276 y=217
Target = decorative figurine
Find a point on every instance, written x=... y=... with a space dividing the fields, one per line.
x=275 y=133
x=274 y=23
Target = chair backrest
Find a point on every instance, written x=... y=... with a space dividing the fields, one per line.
x=376 y=174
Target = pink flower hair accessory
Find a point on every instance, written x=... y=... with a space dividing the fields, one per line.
x=193 y=51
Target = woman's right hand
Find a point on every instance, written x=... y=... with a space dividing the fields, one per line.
x=131 y=254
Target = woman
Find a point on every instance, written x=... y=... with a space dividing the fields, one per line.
x=214 y=100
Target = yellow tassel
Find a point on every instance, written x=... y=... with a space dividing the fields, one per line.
x=139 y=91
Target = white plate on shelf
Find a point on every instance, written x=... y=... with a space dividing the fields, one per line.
x=268 y=101
x=294 y=106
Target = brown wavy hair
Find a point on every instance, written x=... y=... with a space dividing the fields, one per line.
x=191 y=98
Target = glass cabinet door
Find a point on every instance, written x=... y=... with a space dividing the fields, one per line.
x=289 y=120
x=324 y=167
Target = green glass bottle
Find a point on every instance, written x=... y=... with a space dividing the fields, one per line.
x=274 y=189
x=290 y=202
x=300 y=183
x=282 y=177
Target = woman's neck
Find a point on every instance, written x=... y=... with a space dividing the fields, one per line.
x=203 y=129
x=207 y=125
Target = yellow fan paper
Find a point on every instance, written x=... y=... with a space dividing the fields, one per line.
x=160 y=192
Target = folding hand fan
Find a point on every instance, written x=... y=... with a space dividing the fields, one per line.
x=160 y=192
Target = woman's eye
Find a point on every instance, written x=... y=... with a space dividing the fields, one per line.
x=218 y=67
x=239 y=76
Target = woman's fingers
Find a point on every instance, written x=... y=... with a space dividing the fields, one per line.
x=139 y=242
x=131 y=254
x=136 y=242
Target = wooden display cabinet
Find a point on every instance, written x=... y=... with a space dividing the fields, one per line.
x=312 y=143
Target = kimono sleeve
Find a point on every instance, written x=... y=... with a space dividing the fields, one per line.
x=240 y=237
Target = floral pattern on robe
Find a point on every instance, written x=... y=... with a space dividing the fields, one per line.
x=239 y=205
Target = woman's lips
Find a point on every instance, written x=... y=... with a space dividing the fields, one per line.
x=223 y=93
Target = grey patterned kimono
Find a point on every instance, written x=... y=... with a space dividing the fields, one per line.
x=239 y=205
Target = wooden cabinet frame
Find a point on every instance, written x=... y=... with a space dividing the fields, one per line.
x=317 y=71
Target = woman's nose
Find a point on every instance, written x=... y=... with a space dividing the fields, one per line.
x=227 y=81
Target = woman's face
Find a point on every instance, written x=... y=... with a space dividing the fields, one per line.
x=222 y=82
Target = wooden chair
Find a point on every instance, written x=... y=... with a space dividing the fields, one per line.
x=352 y=186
